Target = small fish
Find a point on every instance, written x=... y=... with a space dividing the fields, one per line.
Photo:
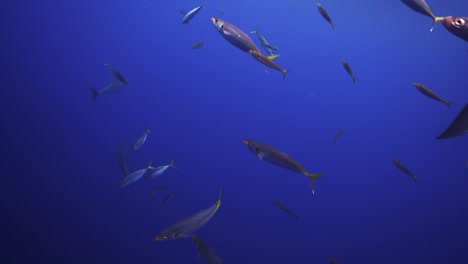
x=117 y=74
x=422 y=7
x=205 y=250
x=122 y=153
x=191 y=14
x=429 y=93
x=281 y=159
x=142 y=139
x=325 y=15
x=268 y=61
x=338 y=135
x=333 y=261
x=160 y=170
x=132 y=178
x=234 y=35
x=404 y=169
x=349 y=71
x=284 y=208
x=187 y=226
x=167 y=198
x=198 y=45
x=265 y=44
x=458 y=127
x=458 y=26
x=157 y=189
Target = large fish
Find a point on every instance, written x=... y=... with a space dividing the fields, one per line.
x=265 y=44
x=429 y=93
x=187 y=226
x=458 y=26
x=422 y=7
x=205 y=250
x=190 y=14
x=234 y=35
x=279 y=158
x=458 y=127
x=268 y=61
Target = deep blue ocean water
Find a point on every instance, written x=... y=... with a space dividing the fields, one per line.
x=61 y=197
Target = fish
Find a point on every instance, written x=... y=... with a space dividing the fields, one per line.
x=429 y=93
x=157 y=189
x=338 y=135
x=325 y=15
x=205 y=250
x=197 y=45
x=333 y=261
x=141 y=140
x=265 y=44
x=404 y=169
x=190 y=14
x=167 y=198
x=348 y=70
x=422 y=7
x=122 y=153
x=458 y=127
x=458 y=26
x=279 y=158
x=187 y=226
x=286 y=209
x=160 y=170
x=234 y=35
x=116 y=73
x=114 y=87
x=135 y=176
x=268 y=61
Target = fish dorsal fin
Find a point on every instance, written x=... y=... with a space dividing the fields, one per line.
x=272 y=57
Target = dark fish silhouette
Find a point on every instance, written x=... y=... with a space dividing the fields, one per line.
x=458 y=127
x=338 y=135
x=458 y=26
x=348 y=70
x=431 y=94
x=325 y=14
x=286 y=209
x=205 y=250
x=404 y=169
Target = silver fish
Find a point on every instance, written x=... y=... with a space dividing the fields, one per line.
x=142 y=139
x=135 y=176
x=160 y=170
x=190 y=14
x=234 y=35
x=187 y=226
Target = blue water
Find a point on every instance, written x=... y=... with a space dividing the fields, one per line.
x=61 y=197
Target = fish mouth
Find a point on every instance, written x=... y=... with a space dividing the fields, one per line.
x=448 y=21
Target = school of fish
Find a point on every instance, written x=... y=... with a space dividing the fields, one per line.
x=186 y=228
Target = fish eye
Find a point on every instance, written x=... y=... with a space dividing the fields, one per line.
x=164 y=238
x=459 y=22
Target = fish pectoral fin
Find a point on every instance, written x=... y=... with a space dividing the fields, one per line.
x=260 y=155
x=272 y=57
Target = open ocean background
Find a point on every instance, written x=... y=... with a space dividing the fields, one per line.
x=61 y=201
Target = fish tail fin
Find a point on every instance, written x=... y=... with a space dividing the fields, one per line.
x=274 y=56
x=285 y=72
x=436 y=19
x=94 y=92
x=448 y=103
x=150 y=164
x=313 y=177
x=172 y=163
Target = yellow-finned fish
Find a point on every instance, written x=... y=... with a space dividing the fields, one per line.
x=187 y=226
